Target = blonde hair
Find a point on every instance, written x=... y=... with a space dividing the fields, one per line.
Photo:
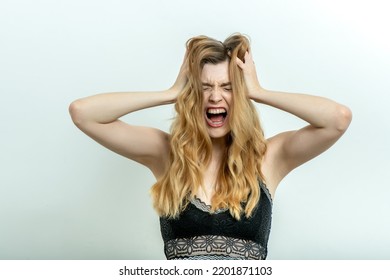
x=190 y=144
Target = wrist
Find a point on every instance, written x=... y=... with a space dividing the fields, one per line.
x=257 y=93
x=171 y=94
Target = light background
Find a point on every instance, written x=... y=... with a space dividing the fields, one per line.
x=62 y=196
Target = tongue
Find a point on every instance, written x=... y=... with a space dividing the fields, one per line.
x=216 y=118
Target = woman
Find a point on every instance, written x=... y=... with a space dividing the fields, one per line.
x=216 y=173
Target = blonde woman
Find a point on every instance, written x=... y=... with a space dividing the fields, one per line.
x=216 y=174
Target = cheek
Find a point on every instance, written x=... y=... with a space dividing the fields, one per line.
x=206 y=97
x=204 y=104
x=228 y=98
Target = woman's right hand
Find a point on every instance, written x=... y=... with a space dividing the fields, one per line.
x=181 y=79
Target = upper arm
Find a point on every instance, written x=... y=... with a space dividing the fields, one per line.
x=300 y=146
x=292 y=148
x=145 y=145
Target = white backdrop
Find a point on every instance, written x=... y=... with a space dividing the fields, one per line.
x=62 y=196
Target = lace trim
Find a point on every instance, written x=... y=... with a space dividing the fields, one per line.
x=213 y=246
x=266 y=190
x=209 y=257
x=201 y=205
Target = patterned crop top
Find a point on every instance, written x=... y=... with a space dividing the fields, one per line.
x=199 y=234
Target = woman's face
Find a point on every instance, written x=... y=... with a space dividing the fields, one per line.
x=217 y=98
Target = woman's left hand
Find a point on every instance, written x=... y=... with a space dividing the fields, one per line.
x=250 y=76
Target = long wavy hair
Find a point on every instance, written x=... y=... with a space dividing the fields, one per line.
x=237 y=185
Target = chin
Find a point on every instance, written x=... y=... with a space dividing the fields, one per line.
x=218 y=133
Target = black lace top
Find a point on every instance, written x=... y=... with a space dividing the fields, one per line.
x=199 y=234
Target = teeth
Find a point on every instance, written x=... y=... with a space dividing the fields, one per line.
x=216 y=111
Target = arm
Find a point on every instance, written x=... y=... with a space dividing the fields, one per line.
x=327 y=120
x=98 y=117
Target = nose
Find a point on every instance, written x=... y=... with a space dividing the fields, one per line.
x=215 y=96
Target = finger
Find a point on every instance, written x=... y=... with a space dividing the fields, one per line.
x=184 y=63
x=240 y=63
x=185 y=55
x=248 y=56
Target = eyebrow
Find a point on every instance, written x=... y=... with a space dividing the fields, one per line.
x=222 y=85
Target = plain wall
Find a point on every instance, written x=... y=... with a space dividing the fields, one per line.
x=63 y=196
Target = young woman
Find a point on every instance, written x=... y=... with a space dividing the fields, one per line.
x=216 y=173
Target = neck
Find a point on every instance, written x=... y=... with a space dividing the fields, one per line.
x=211 y=171
x=218 y=148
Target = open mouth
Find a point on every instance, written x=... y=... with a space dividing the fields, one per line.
x=216 y=117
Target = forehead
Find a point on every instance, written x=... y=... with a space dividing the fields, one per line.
x=212 y=73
